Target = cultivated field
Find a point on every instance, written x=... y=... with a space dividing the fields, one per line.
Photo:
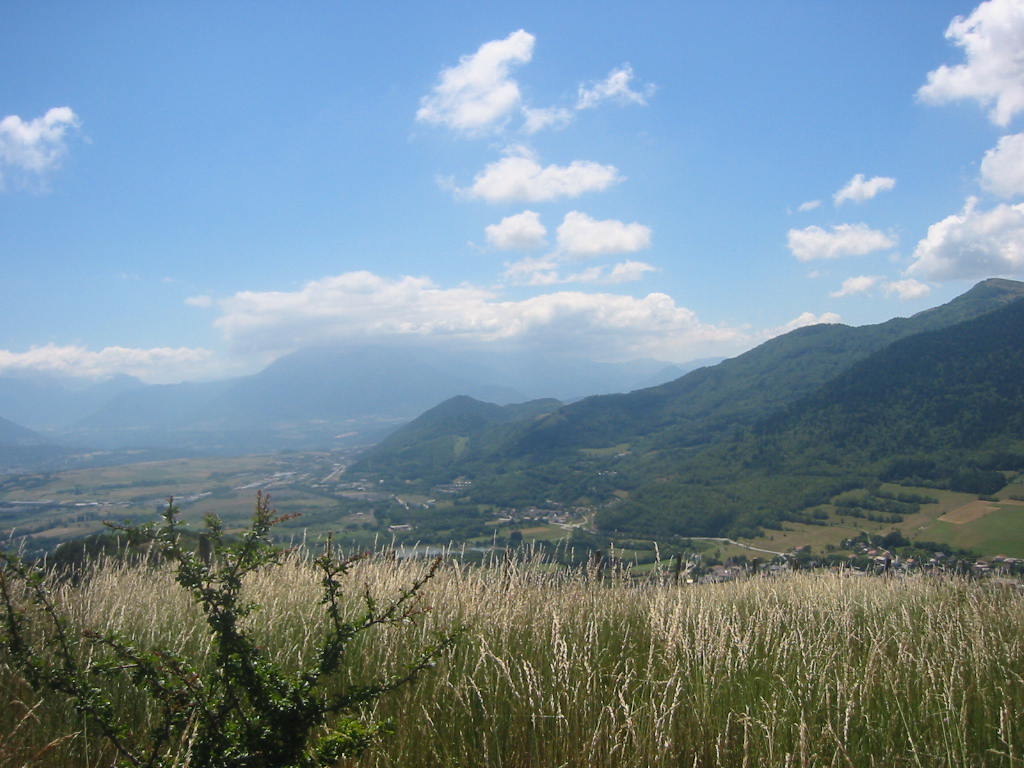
x=579 y=669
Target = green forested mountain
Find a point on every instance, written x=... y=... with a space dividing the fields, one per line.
x=943 y=408
x=698 y=408
x=458 y=431
x=766 y=436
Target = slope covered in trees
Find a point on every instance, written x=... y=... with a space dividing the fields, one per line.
x=935 y=398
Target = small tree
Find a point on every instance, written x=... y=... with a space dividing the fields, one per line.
x=241 y=711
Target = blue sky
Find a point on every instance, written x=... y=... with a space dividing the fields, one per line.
x=189 y=190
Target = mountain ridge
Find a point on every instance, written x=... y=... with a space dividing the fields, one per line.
x=678 y=450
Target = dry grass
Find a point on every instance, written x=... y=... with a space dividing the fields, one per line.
x=567 y=669
x=970 y=512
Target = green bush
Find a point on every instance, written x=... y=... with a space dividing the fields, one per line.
x=240 y=711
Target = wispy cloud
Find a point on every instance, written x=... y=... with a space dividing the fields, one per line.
x=854 y=285
x=202 y=301
x=908 y=289
x=539 y=119
x=858 y=189
x=803 y=320
x=615 y=88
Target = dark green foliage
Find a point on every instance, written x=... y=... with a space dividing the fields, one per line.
x=244 y=710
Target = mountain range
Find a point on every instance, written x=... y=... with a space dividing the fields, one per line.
x=729 y=448
x=317 y=398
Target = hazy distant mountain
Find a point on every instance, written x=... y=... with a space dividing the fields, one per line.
x=50 y=402
x=21 y=447
x=310 y=397
x=15 y=434
x=156 y=406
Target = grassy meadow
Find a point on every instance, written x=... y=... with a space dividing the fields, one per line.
x=572 y=668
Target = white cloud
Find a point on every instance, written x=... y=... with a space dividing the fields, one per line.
x=157 y=365
x=1002 y=169
x=581 y=235
x=37 y=146
x=630 y=271
x=542 y=270
x=844 y=240
x=519 y=177
x=537 y=119
x=615 y=87
x=545 y=271
x=854 y=285
x=203 y=301
x=362 y=305
x=860 y=189
x=523 y=231
x=810 y=205
x=908 y=289
x=972 y=244
x=992 y=38
x=802 y=320
x=477 y=94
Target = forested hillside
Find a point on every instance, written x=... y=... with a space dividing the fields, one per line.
x=935 y=399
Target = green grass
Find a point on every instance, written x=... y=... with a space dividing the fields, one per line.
x=998 y=532
x=559 y=668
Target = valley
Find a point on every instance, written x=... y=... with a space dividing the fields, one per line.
x=819 y=444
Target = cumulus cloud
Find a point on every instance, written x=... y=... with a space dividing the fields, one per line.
x=581 y=235
x=362 y=305
x=615 y=88
x=992 y=39
x=858 y=189
x=1002 y=169
x=522 y=231
x=972 y=244
x=854 y=285
x=477 y=95
x=519 y=177
x=908 y=289
x=814 y=242
x=36 y=146
x=810 y=205
x=156 y=365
